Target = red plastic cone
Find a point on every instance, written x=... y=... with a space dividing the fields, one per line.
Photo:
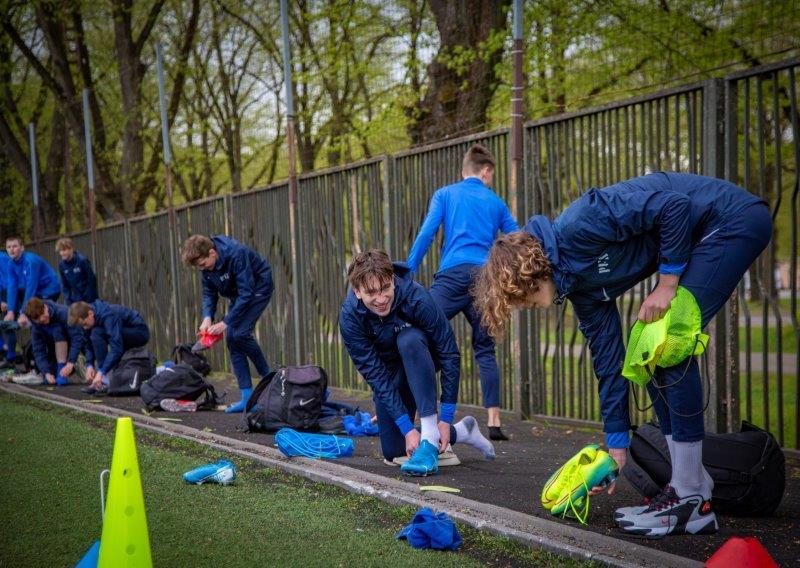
x=745 y=552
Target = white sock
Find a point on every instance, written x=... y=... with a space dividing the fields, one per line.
x=689 y=477
x=430 y=431
x=670 y=444
x=467 y=432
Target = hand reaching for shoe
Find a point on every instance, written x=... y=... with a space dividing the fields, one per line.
x=620 y=456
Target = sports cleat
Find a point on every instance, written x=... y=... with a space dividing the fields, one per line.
x=566 y=493
x=668 y=514
x=424 y=460
x=222 y=472
x=447 y=458
x=172 y=405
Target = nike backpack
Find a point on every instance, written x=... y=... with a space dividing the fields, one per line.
x=183 y=354
x=747 y=468
x=135 y=367
x=289 y=397
x=180 y=382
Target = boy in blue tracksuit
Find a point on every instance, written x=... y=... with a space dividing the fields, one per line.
x=234 y=271
x=77 y=276
x=113 y=330
x=700 y=232
x=397 y=337
x=472 y=215
x=56 y=344
x=5 y=260
x=27 y=275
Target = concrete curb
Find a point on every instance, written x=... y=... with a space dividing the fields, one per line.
x=532 y=531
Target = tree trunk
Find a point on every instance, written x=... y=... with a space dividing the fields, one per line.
x=459 y=95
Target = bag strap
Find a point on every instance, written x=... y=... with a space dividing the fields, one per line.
x=210 y=399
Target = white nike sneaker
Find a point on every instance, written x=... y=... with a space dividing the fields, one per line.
x=668 y=514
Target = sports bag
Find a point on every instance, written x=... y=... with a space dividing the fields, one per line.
x=180 y=382
x=135 y=367
x=289 y=397
x=182 y=353
x=747 y=468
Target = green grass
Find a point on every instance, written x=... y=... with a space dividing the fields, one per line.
x=788 y=339
x=52 y=458
x=756 y=399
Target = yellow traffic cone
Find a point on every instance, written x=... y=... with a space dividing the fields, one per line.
x=125 y=542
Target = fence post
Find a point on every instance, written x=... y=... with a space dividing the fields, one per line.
x=386 y=177
x=714 y=166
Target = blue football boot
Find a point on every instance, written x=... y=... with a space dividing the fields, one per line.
x=424 y=460
x=222 y=472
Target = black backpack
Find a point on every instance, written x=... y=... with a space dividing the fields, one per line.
x=135 y=367
x=183 y=354
x=747 y=468
x=290 y=397
x=180 y=382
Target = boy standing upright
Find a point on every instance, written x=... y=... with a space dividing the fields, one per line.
x=77 y=277
x=234 y=271
x=397 y=337
x=27 y=275
x=472 y=215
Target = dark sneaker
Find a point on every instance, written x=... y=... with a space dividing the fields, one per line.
x=668 y=514
x=496 y=434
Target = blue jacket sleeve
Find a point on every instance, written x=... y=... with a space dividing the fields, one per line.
x=12 y=285
x=88 y=349
x=508 y=224
x=430 y=319
x=370 y=366
x=426 y=232
x=65 y=285
x=210 y=299
x=76 y=343
x=113 y=328
x=39 y=342
x=245 y=286
x=600 y=324
x=618 y=213
x=31 y=282
x=91 y=281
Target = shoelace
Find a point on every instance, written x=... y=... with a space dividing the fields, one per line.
x=664 y=499
x=583 y=503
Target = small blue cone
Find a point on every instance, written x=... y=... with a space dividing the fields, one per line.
x=89 y=559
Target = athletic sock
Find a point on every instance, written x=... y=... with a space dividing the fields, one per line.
x=430 y=430
x=689 y=477
x=467 y=432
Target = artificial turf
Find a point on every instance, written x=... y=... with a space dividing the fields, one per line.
x=50 y=506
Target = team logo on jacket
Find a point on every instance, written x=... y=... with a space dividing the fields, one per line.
x=224 y=277
x=602 y=263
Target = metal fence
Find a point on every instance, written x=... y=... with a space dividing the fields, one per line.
x=743 y=127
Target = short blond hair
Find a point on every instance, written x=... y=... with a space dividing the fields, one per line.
x=194 y=248
x=64 y=243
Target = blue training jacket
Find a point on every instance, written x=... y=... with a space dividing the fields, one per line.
x=31 y=273
x=58 y=330
x=112 y=318
x=5 y=260
x=240 y=275
x=472 y=215
x=371 y=341
x=77 y=279
x=608 y=240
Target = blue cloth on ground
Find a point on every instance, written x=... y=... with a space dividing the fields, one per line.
x=302 y=444
x=431 y=530
x=91 y=557
x=359 y=424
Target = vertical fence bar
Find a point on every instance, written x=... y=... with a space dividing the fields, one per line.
x=87 y=131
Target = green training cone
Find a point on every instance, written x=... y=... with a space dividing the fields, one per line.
x=125 y=542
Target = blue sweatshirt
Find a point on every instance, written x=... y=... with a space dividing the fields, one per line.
x=240 y=275
x=371 y=341
x=472 y=215
x=112 y=318
x=5 y=260
x=77 y=279
x=609 y=240
x=58 y=330
x=31 y=273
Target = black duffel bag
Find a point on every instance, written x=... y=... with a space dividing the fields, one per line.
x=289 y=397
x=748 y=468
x=180 y=382
x=135 y=367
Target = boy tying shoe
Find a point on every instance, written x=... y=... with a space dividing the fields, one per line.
x=396 y=337
x=56 y=344
x=114 y=330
